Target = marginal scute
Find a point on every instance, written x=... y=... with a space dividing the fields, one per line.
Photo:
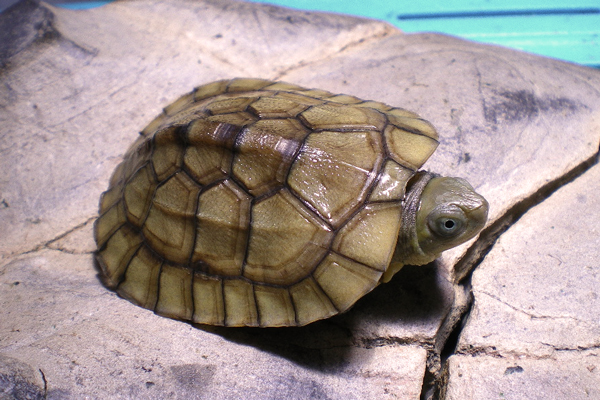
x=408 y=148
x=116 y=255
x=247 y=85
x=185 y=116
x=345 y=99
x=310 y=302
x=376 y=106
x=240 y=307
x=283 y=86
x=370 y=236
x=152 y=127
x=180 y=104
x=412 y=123
x=401 y=114
x=208 y=300
x=175 y=293
x=286 y=241
x=108 y=222
x=334 y=171
x=358 y=280
x=142 y=278
x=210 y=90
x=170 y=226
x=249 y=202
x=222 y=225
x=135 y=158
x=275 y=306
x=167 y=155
x=110 y=197
x=317 y=93
x=138 y=194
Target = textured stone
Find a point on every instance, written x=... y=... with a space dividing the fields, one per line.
x=537 y=303
x=542 y=278
x=568 y=376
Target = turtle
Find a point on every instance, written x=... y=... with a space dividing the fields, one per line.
x=259 y=203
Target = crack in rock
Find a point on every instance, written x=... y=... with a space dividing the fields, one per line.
x=529 y=314
x=362 y=41
x=52 y=243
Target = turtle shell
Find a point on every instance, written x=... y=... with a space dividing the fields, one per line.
x=249 y=202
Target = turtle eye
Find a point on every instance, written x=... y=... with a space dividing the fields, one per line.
x=447 y=226
x=447 y=222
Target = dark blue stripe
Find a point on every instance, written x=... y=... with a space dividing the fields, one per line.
x=509 y=13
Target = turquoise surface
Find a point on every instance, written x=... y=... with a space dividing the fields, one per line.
x=566 y=30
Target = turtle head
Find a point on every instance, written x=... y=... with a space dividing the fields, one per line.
x=449 y=213
x=438 y=214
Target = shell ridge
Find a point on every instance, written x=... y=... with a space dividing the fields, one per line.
x=310 y=208
x=122 y=277
x=160 y=271
x=256 y=307
x=355 y=260
x=248 y=237
x=223 y=301
x=414 y=131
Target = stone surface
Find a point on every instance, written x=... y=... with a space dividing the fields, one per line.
x=77 y=86
x=537 y=302
x=564 y=376
x=62 y=323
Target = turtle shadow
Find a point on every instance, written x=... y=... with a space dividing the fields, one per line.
x=414 y=300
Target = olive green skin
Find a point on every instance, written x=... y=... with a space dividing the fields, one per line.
x=249 y=202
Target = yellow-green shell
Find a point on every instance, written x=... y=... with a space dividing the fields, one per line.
x=249 y=202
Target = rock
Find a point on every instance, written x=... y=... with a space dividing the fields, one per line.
x=77 y=86
x=565 y=376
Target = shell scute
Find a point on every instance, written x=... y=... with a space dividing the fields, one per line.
x=357 y=278
x=138 y=193
x=265 y=151
x=141 y=280
x=332 y=116
x=222 y=225
x=334 y=171
x=170 y=225
x=175 y=293
x=240 y=304
x=209 y=307
x=286 y=241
